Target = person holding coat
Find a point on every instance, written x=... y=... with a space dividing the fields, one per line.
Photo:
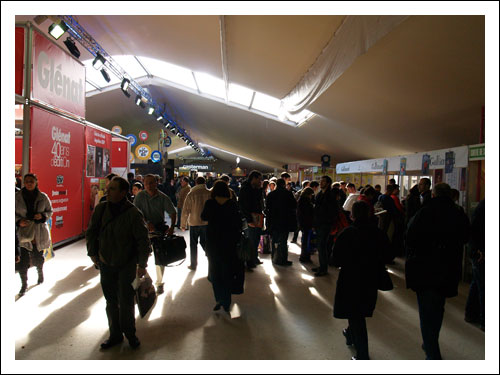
x=33 y=209
x=360 y=251
x=223 y=234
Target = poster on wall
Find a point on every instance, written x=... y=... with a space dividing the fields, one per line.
x=426 y=163
x=57 y=157
x=449 y=162
x=402 y=167
x=90 y=161
x=98 y=144
x=438 y=176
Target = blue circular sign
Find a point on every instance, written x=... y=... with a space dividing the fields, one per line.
x=156 y=156
x=167 y=141
x=132 y=139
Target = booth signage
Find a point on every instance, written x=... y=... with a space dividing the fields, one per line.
x=132 y=139
x=143 y=152
x=143 y=135
x=167 y=141
x=116 y=129
x=58 y=79
x=156 y=156
x=19 y=60
x=57 y=158
x=197 y=167
x=476 y=152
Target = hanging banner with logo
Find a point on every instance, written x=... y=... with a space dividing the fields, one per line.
x=58 y=79
x=143 y=135
x=402 y=167
x=97 y=166
x=132 y=139
x=57 y=158
x=156 y=156
x=19 y=60
x=426 y=164
x=143 y=152
x=449 y=162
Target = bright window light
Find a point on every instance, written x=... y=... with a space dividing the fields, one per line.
x=239 y=94
x=211 y=85
x=131 y=66
x=170 y=72
x=266 y=103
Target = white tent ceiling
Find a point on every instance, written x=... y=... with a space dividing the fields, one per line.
x=421 y=87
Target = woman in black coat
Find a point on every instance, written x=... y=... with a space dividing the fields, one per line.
x=305 y=216
x=360 y=251
x=223 y=234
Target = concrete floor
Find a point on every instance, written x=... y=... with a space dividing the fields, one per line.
x=285 y=314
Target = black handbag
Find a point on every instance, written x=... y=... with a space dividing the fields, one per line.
x=169 y=249
x=384 y=280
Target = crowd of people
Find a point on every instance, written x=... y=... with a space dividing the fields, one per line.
x=359 y=230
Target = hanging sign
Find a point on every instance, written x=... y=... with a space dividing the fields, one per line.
x=131 y=158
x=167 y=141
x=156 y=156
x=132 y=139
x=449 y=162
x=402 y=167
x=58 y=78
x=116 y=129
x=143 y=135
x=426 y=163
x=143 y=152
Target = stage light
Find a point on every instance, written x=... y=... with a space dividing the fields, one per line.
x=58 y=29
x=105 y=75
x=70 y=44
x=139 y=101
x=98 y=61
x=151 y=110
x=159 y=118
x=125 y=84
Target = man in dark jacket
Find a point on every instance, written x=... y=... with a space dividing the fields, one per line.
x=281 y=219
x=118 y=243
x=251 y=204
x=434 y=240
x=474 y=308
x=325 y=212
x=424 y=188
x=360 y=251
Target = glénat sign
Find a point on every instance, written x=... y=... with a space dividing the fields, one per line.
x=58 y=79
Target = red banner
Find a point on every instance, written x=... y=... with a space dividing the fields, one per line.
x=57 y=158
x=19 y=60
x=58 y=79
x=97 y=166
x=119 y=153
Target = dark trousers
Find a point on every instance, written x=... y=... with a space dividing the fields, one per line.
x=119 y=295
x=254 y=236
x=295 y=236
x=474 y=308
x=222 y=276
x=280 y=248
x=28 y=258
x=359 y=336
x=305 y=251
x=431 y=311
x=323 y=233
x=195 y=233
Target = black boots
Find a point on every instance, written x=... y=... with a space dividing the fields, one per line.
x=24 y=284
x=40 y=275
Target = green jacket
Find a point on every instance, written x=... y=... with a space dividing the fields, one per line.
x=117 y=240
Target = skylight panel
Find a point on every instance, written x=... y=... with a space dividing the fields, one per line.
x=170 y=72
x=131 y=66
x=239 y=94
x=211 y=85
x=266 y=103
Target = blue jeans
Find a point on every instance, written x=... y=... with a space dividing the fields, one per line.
x=280 y=248
x=254 y=235
x=474 y=308
x=195 y=232
x=431 y=311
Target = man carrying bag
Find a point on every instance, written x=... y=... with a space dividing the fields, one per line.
x=118 y=244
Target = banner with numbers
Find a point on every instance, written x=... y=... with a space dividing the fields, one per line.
x=56 y=157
